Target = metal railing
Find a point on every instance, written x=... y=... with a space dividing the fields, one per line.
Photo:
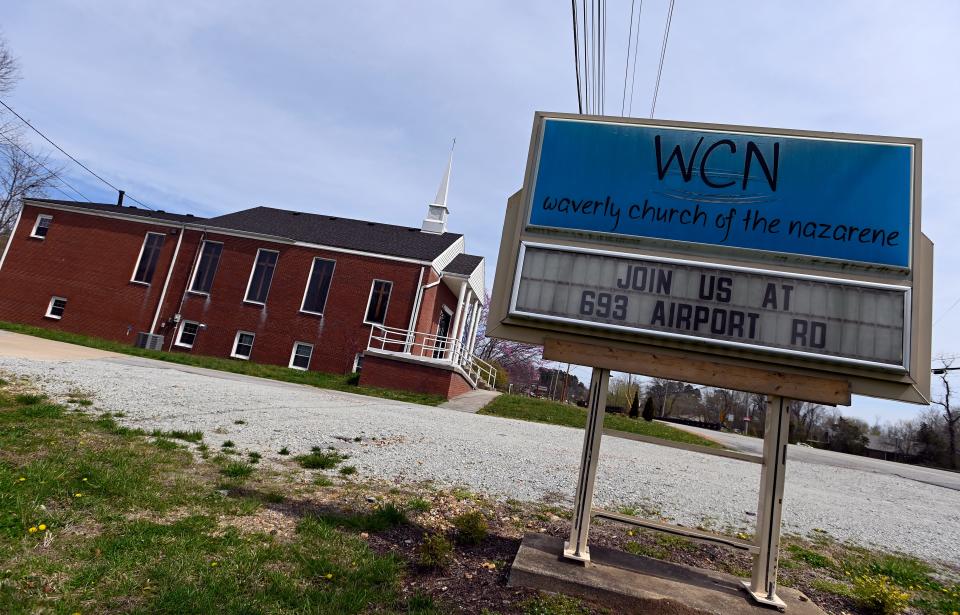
x=432 y=348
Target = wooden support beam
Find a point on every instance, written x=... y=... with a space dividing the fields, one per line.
x=696 y=448
x=685 y=368
x=676 y=530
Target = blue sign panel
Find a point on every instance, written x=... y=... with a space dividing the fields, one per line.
x=817 y=197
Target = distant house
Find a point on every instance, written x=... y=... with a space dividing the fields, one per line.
x=880 y=447
x=301 y=290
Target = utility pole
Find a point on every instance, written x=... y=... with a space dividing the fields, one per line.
x=563 y=395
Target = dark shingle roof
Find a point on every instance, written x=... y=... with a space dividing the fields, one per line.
x=402 y=241
x=463 y=264
x=333 y=231
x=129 y=211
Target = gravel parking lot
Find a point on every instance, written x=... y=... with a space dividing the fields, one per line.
x=502 y=457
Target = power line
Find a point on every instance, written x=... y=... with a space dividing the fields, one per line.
x=586 y=62
x=576 y=55
x=636 y=45
x=603 y=56
x=626 y=65
x=65 y=153
x=947 y=311
x=48 y=169
x=663 y=53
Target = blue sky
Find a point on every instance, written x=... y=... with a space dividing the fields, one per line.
x=349 y=108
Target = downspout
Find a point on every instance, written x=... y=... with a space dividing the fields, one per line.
x=414 y=315
x=186 y=285
x=166 y=282
x=415 y=311
x=13 y=233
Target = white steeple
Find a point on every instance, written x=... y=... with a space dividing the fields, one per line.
x=436 y=220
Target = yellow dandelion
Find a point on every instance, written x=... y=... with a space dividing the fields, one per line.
x=22 y=478
x=84 y=480
x=42 y=527
x=32 y=530
x=78 y=495
x=328 y=576
x=213 y=563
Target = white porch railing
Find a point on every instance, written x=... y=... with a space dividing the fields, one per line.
x=432 y=349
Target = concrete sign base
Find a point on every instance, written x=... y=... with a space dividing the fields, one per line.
x=635 y=584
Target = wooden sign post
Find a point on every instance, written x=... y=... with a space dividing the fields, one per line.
x=767 y=270
x=765 y=545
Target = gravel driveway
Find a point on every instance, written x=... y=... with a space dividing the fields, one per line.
x=503 y=457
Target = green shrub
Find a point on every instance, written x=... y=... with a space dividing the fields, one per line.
x=353 y=379
x=418 y=505
x=284 y=451
x=810 y=557
x=237 y=469
x=904 y=571
x=878 y=595
x=254 y=457
x=556 y=604
x=348 y=470
x=227 y=444
x=320 y=460
x=434 y=552
x=178 y=434
x=322 y=481
x=26 y=399
x=472 y=527
x=41 y=411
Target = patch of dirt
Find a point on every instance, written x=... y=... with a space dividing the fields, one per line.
x=267 y=520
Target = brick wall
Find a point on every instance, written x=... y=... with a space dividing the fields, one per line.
x=337 y=336
x=90 y=260
x=395 y=374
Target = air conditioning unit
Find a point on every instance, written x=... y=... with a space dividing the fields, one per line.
x=149 y=341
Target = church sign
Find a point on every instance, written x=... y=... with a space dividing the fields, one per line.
x=842 y=198
x=770 y=249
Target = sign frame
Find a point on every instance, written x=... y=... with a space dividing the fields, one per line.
x=912 y=386
x=513 y=311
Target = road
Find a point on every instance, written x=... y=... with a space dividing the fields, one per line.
x=807 y=454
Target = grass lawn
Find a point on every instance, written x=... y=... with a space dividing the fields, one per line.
x=555 y=413
x=100 y=518
x=337 y=382
x=97 y=518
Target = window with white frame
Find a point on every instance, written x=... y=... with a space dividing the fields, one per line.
x=300 y=357
x=260 y=277
x=41 y=226
x=242 y=345
x=187 y=334
x=377 y=302
x=149 y=256
x=56 y=307
x=206 y=267
x=318 y=286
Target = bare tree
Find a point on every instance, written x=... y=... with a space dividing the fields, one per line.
x=951 y=415
x=806 y=419
x=9 y=70
x=23 y=173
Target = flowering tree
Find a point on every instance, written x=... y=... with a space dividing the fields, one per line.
x=520 y=361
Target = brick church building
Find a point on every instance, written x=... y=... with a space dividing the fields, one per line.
x=399 y=304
